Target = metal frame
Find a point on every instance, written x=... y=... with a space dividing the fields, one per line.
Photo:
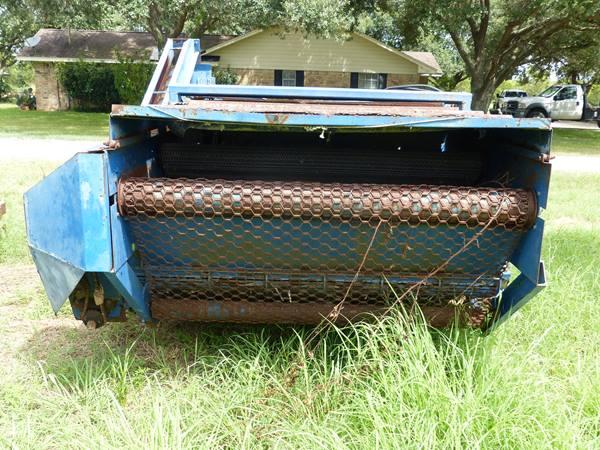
x=191 y=78
x=74 y=227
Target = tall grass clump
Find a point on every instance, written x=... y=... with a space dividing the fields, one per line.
x=387 y=383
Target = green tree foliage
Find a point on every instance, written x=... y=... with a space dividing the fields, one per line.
x=577 y=61
x=15 y=25
x=131 y=78
x=494 y=38
x=405 y=35
x=225 y=76
x=20 y=19
x=170 y=18
x=95 y=87
x=14 y=79
x=90 y=86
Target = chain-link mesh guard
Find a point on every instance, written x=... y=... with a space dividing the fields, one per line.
x=220 y=243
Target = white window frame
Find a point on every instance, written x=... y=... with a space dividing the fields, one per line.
x=288 y=78
x=368 y=80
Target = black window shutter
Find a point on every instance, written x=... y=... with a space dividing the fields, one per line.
x=354 y=80
x=278 y=78
x=300 y=78
x=382 y=82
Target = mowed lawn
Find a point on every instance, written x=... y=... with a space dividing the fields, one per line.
x=584 y=142
x=55 y=124
x=534 y=383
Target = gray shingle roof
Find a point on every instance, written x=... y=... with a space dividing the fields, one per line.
x=54 y=44
x=426 y=57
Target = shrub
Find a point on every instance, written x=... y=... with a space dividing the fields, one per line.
x=14 y=80
x=26 y=100
x=131 y=79
x=90 y=85
x=225 y=76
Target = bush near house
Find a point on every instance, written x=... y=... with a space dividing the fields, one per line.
x=15 y=80
x=225 y=76
x=96 y=86
x=91 y=86
x=131 y=78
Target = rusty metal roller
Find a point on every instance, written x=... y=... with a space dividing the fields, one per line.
x=408 y=204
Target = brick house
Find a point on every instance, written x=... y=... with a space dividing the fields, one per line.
x=269 y=57
x=261 y=57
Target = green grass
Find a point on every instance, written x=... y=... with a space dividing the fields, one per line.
x=55 y=124
x=15 y=179
x=565 y=140
x=533 y=384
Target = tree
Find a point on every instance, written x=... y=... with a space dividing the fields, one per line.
x=578 y=61
x=170 y=18
x=15 y=25
x=494 y=38
x=406 y=35
x=20 y=19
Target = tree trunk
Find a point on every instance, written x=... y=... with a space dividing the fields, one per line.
x=483 y=91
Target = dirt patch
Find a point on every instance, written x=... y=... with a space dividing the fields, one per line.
x=19 y=295
x=14 y=277
x=43 y=149
x=572 y=222
x=568 y=163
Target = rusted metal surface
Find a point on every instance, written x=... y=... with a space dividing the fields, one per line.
x=293 y=250
x=329 y=109
x=405 y=204
x=308 y=101
x=286 y=313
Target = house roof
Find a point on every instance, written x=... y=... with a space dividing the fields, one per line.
x=51 y=44
x=425 y=60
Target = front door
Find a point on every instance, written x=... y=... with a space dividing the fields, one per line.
x=566 y=105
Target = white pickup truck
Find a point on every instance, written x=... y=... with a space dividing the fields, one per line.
x=558 y=102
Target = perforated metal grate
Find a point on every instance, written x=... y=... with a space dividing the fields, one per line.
x=254 y=242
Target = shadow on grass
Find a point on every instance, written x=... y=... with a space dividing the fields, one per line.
x=79 y=358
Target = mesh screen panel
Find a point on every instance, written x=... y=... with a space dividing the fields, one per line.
x=257 y=242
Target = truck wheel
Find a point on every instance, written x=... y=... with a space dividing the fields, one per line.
x=537 y=114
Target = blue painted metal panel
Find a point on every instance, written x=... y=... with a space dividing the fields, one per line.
x=207 y=118
x=67 y=214
x=127 y=283
x=528 y=254
x=58 y=277
x=68 y=224
x=325 y=93
x=137 y=158
x=519 y=292
x=527 y=258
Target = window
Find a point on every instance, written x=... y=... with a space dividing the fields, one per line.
x=568 y=93
x=550 y=91
x=289 y=78
x=368 y=80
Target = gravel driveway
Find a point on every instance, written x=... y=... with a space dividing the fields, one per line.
x=576 y=124
x=43 y=149
x=61 y=150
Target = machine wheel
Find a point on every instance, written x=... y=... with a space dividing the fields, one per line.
x=537 y=114
x=93 y=319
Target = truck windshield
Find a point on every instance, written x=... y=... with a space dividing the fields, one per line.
x=550 y=91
